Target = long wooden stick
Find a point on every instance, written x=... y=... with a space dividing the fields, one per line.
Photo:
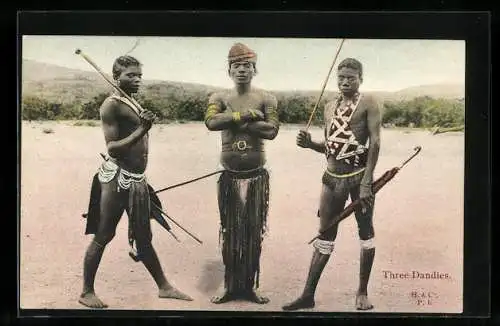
x=87 y=58
x=173 y=221
x=438 y=130
x=189 y=181
x=324 y=85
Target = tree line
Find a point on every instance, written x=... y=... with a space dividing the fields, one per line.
x=294 y=108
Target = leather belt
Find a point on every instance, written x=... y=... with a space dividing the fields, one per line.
x=240 y=145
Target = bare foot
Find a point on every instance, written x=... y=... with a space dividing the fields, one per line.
x=90 y=300
x=301 y=303
x=254 y=296
x=221 y=297
x=173 y=293
x=362 y=302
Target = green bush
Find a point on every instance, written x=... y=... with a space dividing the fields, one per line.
x=424 y=112
x=297 y=108
x=35 y=108
x=90 y=109
x=177 y=104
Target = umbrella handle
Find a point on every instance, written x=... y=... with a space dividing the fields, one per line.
x=379 y=183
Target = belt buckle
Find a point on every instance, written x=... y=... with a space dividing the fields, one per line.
x=241 y=145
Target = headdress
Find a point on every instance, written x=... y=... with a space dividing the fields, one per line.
x=241 y=52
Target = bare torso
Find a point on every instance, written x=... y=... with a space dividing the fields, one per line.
x=231 y=157
x=135 y=158
x=359 y=127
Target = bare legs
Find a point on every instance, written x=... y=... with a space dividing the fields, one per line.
x=112 y=208
x=306 y=300
x=223 y=296
x=166 y=290
x=332 y=203
x=364 y=220
x=247 y=292
x=91 y=263
x=366 y=262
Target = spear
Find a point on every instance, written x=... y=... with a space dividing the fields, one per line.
x=324 y=85
x=188 y=181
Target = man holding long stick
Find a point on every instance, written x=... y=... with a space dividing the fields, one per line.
x=351 y=121
x=120 y=184
x=245 y=117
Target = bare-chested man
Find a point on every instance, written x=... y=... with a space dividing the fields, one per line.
x=246 y=117
x=120 y=185
x=350 y=121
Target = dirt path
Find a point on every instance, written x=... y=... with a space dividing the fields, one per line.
x=418 y=223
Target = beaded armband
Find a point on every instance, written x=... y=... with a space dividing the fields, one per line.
x=212 y=110
x=236 y=117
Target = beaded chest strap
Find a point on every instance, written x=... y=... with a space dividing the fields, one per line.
x=340 y=140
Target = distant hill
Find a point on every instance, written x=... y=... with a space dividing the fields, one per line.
x=61 y=84
x=449 y=91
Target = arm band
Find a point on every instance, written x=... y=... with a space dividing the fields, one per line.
x=236 y=116
x=213 y=109
x=273 y=117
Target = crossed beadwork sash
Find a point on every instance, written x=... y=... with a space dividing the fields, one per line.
x=340 y=141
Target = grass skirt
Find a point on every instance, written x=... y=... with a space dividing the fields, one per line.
x=243 y=205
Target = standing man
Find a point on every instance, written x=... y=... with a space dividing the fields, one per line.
x=350 y=121
x=246 y=117
x=120 y=185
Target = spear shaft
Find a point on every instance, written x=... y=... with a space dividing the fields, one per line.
x=324 y=85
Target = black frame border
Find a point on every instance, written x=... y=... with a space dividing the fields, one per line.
x=473 y=27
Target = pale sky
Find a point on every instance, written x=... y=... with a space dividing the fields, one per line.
x=283 y=63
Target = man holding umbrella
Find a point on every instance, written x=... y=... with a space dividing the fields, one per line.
x=351 y=121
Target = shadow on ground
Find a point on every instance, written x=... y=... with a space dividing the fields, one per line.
x=212 y=276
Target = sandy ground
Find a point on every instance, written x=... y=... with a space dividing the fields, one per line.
x=418 y=223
